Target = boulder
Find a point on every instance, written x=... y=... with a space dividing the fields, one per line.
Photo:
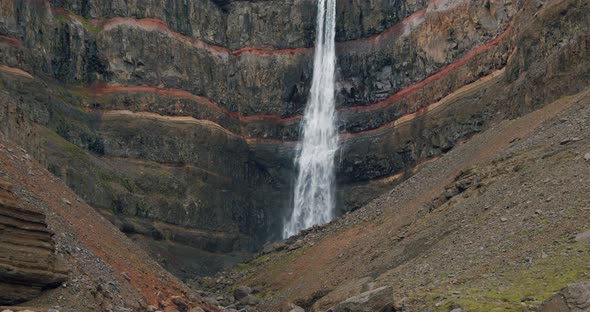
x=583 y=236
x=293 y=308
x=272 y=247
x=211 y=301
x=249 y=300
x=573 y=298
x=376 y=300
x=343 y=292
x=298 y=244
x=180 y=303
x=241 y=292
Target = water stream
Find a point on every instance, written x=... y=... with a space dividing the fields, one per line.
x=314 y=200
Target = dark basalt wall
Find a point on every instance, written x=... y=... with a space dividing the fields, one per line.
x=179 y=120
x=234 y=24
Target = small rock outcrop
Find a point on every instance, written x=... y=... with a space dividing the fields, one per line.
x=342 y=293
x=293 y=308
x=376 y=300
x=582 y=236
x=573 y=298
x=27 y=260
x=249 y=300
x=241 y=292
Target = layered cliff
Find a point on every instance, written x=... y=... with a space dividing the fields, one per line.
x=27 y=260
x=500 y=222
x=179 y=120
x=48 y=231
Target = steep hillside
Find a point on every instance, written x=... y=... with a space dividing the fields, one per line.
x=500 y=223
x=105 y=270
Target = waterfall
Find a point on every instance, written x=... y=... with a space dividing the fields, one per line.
x=313 y=201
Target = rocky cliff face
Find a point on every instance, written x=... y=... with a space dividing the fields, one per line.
x=27 y=260
x=179 y=120
x=46 y=227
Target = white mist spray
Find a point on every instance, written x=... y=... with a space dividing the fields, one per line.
x=314 y=190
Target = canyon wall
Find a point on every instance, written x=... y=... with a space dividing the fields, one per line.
x=179 y=120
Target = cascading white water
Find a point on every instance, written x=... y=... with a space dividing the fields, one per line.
x=314 y=190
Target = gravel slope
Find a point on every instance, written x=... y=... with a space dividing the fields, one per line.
x=490 y=225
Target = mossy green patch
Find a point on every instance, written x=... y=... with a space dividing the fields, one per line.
x=265 y=266
x=265 y=294
x=129 y=185
x=78 y=94
x=61 y=18
x=518 y=288
x=91 y=28
x=71 y=150
x=74 y=96
x=66 y=16
x=242 y=267
x=271 y=265
x=251 y=265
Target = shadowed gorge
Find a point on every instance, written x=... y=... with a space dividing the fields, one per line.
x=185 y=125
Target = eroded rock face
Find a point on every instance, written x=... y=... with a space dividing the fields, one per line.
x=235 y=24
x=376 y=300
x=342 y=293
x=573 y=298
x=179 y=120
x=27 y=260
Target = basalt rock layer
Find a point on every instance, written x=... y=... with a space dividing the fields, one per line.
x=179 y=120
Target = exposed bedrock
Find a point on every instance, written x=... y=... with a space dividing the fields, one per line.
x=27 y=260
x=236 y=24
x=254 y=81
x=183 y=132
x=199 y=204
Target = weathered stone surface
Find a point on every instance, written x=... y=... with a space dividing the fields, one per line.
x=236 y=24
x=583 y=236
x=249 y=300
x=241 y=292
x=377 y=300
x=27 y=260
x=341 y=293
x=272 y=247
x=573 y=298
x=293 y=308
